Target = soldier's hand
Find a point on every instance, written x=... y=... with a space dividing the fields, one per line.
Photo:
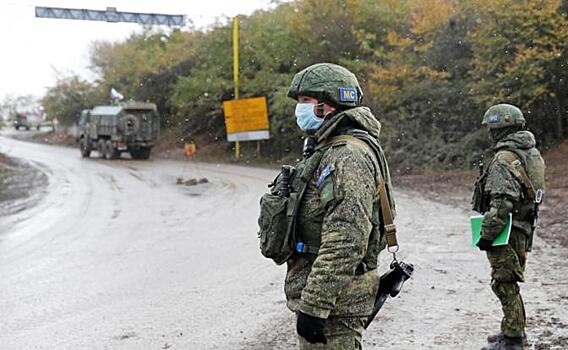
x=485 y=244
x=311 y=328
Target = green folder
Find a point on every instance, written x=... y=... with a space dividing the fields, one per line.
x=501 y=239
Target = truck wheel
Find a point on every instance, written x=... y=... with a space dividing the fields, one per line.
x=110 y=151
x=141 y=153
x=101 y=147
x=85 y=147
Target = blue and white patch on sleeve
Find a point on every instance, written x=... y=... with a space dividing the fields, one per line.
x=348 y=95
x=324 y=174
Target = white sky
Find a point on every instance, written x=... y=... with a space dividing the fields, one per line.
x=34 y=49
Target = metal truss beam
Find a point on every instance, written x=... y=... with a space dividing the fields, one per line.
x=110 y=15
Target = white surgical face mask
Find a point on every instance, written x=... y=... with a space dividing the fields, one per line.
x=306 y=119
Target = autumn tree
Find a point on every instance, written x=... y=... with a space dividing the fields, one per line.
x=68 y=97
x=520 y=57
x=428 y=68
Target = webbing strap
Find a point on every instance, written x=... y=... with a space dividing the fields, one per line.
x=515 y=161
x=388 y=222
x=525 y=179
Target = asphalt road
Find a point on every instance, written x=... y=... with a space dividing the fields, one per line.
x=115 y=255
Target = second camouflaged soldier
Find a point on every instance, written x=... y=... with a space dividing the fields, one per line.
x=333 y=202
x=512 y=183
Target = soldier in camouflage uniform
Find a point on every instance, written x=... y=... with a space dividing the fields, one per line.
x=332 y=278
x=508 y=186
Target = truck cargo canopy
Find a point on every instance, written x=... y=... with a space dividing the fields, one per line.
x=106 y=110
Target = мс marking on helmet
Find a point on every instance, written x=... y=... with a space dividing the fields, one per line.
x=327 y=82
x=494 y=118
x=503 y=115
x=348 y=95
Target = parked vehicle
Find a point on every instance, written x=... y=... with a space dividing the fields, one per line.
x=112 y=130
x=34 y=121
x=21 y=121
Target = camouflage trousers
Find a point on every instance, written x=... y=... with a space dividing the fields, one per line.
x=507 y=269
x=342 y=333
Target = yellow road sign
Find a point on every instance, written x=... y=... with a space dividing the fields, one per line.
x=247 y=114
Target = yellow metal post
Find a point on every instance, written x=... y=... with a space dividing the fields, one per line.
x=236 y=70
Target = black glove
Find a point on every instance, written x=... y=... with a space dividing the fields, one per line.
x=311 y=328
x=484 y=244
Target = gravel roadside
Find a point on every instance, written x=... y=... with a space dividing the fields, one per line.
x=21 y=185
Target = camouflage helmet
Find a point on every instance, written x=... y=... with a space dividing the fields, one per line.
x=327 y=82
x=503 y=115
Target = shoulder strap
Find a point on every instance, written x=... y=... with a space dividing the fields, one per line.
x=305 y=176
x=388 y=222
x=515 y=160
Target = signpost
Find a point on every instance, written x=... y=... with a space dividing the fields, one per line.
x=245 y=119
x=236 y=72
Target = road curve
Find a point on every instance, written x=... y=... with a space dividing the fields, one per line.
x=116 y=255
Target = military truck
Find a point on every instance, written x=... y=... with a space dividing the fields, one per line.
x=21 y=121
x=111 y=130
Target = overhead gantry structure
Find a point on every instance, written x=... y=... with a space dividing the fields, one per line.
x=110 y=15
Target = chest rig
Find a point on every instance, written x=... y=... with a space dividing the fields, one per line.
x=279 y=209
x=309 y=244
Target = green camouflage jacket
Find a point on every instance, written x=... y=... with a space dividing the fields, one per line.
x=503 y=187
x=339 y=212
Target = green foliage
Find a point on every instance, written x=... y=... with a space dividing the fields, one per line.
x=10 y=105
x=429 y=70
x=520 y=56
x=68 y=98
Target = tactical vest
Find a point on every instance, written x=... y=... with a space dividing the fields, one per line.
x=278 y=219
x=530 y=174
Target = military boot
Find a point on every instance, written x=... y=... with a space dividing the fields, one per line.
x=505 y=343
x=493 y=338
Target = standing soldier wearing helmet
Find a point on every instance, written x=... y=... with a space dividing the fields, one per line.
x=333 y=202
x=512 y=183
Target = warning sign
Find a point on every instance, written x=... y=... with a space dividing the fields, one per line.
x=247 y=117
x=190 y=149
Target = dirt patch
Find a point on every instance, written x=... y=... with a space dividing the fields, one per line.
x=21 y=185
x=553 y=218
x=61 y=137
x=56 y=138
x=171 y=146
x=448 y=188
x=456 y=188
x=6 y=170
